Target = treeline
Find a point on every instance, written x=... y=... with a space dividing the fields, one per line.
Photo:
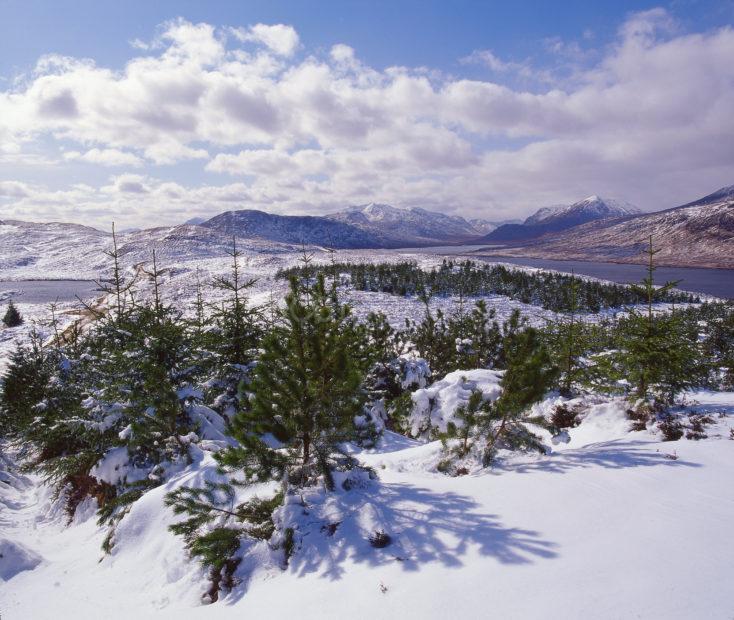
x=276 y=393
x=470 y=279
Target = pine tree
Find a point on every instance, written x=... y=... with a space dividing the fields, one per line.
x=23 y=386
x=570 y=343
x=234 y=339
x=306 y=392
x=12 y=317
x=161 y=383
x=656 y=354
x=529 y=375
x=458 y=440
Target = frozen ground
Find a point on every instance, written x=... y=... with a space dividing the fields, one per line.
x=183 y=266
x=606 y=526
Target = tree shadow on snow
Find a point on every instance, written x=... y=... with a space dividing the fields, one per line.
x=620 y=454
x=424 y=526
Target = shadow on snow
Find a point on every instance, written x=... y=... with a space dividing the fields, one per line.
x=424 y=526
x=619 y=454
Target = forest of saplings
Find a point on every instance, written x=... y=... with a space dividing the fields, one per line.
x=291 y=386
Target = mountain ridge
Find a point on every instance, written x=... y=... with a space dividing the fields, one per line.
x=696 y=234
x=562 y=217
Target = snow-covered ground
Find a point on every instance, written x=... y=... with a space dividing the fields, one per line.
x=610 y=524
x=606 y=526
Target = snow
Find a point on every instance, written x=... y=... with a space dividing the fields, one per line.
x=434 y=406
x=606 y=526
x=15 y=558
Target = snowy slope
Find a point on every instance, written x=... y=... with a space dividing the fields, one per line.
x=699 y=234
x=412 y=226
x=607 y=526
x=559 y=218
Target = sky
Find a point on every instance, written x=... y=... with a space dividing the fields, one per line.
x=151 y=113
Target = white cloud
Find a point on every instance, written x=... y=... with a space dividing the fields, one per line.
x=281 y=39
x=650 y=120
x=14 y=189
x=105 y=157
x=342 y=53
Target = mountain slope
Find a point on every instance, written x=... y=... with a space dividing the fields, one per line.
x=51 y=250
x=698 y=234
x=310 y=230
x=558 y=218
x=412 y=226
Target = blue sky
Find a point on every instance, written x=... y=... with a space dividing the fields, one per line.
x=165 y=110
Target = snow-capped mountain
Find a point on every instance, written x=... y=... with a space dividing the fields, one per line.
x=591 y=208
x=697 y=234
x=562 y=217
x=366 y=226
x=50 y=250
x=306 y=229
x=413 y=226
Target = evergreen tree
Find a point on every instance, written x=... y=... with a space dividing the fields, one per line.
x=529 y=375
x=23 y=386
x=306 y=392
x=12 y=317
x=458 y=440
x=656 y=354
x=569 y=338
x=234 y=339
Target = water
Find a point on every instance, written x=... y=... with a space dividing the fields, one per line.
x=47 y=291
x=717 y=282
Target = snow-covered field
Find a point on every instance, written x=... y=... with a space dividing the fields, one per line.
x=610 y=524
x=606 y=526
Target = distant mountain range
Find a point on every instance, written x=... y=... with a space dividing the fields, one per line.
x=411 y=227
x=559 y=218
x=700 y=233
x=696 y=234
x=365 y=226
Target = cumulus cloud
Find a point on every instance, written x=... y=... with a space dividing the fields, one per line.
x=281 y=39
x=648 y=118
x=105 y=157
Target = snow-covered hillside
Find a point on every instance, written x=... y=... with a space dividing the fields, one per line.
x=562 y=217
x=593 y=207
x=413 y=226
x=611 y=524
x=699 y=234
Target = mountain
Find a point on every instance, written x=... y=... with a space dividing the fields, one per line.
x=307 y=229
x=365 y=226
x=50 y=250
x=558 y=218
x=410 y=227
x=697 y=234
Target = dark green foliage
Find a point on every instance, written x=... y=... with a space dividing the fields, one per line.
x=12 y=317
x=258 y=513
x=571 y=369
x=470 y=279
x=529 y=375
x=657 y=354
x=459 y=439
x=463 y=340
x=202 y=505
x=716 y=321
x=306 y=391
x=214 y=548
x=24 y=385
